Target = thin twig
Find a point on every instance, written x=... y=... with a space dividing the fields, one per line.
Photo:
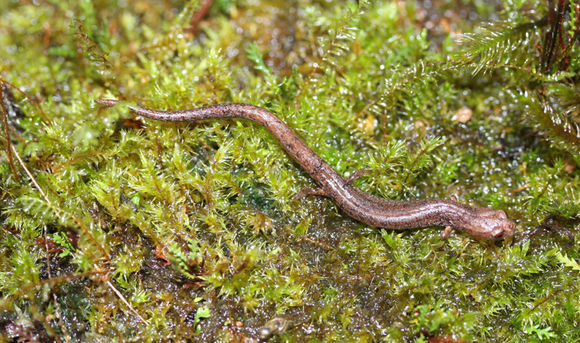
x=198 y=16
x=116 y=291
x=32 y=179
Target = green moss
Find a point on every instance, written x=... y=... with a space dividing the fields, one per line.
x=197 y=224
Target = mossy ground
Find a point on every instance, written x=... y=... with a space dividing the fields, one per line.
x=196 y=225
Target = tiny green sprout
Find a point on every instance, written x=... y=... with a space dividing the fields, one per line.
x=432 y=318
x=61 y=239
x=186 y=262
x=136 y=199
x=568 y=262
x=255 y=56
x=540 y=333
x=201 y=313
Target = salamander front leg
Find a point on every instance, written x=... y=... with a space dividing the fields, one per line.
x=357 y=174
x=319 y=191
x=446 y=232
x=310 y=191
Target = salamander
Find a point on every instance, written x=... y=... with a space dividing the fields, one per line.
x=478 y=222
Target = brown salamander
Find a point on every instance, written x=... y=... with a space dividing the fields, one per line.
x=476 y=221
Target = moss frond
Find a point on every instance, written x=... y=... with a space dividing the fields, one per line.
x=500 y=43
x=547 y=113
x=331 y=47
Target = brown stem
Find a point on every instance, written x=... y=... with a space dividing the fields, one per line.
x=197 y=17
x=7 y=133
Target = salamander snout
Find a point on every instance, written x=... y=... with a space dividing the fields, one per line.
x=491 y=224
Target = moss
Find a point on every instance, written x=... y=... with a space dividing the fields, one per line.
x=195 y=227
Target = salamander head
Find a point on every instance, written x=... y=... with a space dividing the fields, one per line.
x=489 y=224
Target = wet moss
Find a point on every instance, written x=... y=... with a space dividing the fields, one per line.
x=152 y=231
